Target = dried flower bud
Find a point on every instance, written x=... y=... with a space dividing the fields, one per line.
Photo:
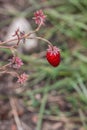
x=16 y=62
x=39 y=17
x=22 y=78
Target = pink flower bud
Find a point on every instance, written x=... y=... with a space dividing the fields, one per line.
x=39 y=17
x=16 y=62
x=22 y=78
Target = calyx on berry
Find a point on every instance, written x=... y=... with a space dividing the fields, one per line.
x=53 y=55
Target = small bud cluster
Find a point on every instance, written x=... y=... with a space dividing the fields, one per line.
x=16 y=62
x=22 y=78
x=39 y=17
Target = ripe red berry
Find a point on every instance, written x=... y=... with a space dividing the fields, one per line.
x=53 y=55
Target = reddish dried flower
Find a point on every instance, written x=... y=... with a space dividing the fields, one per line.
x=22 y=78
x=16 y=62
x=53 y=55
x=39 y=17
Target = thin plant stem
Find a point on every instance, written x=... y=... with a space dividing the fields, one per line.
x=43 y=39
x=21 y=37
x=42 y=108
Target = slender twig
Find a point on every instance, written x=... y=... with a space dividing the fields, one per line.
x=25 y=36
x=14 y=73
x=15 y=114
x=43 y=39
x=21 y=37
x=4 y=66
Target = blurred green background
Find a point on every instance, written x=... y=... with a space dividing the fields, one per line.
x=65 y=27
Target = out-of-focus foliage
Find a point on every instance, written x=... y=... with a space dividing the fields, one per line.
x=66 y=27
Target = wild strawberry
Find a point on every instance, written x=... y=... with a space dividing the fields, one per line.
x=53 y=55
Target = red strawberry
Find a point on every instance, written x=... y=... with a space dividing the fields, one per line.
x=53 y=55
